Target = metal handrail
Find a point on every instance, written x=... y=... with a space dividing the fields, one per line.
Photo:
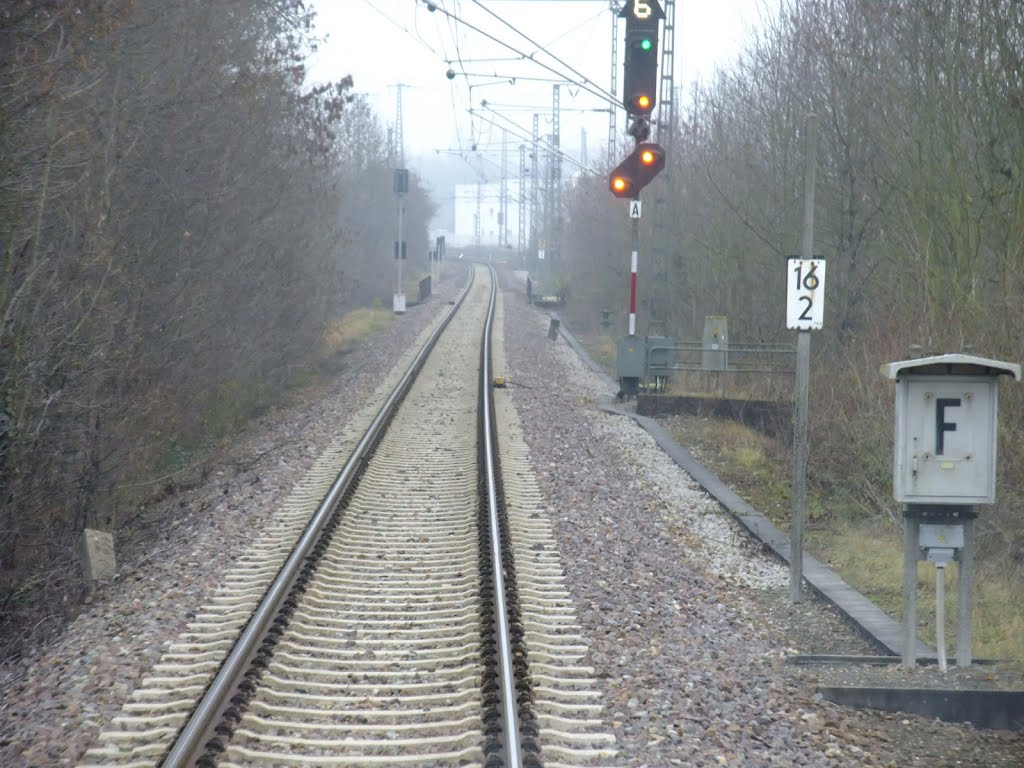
x=728 y=353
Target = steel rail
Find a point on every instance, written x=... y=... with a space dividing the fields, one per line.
x=190 y=743
x=506 y=673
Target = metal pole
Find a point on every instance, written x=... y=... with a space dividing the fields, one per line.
x=796 y=530
x=635 y=240
x=910 y=538
x=521 y=243
x=965 y=595
x=803 y=366
x=435 y=265
x=534 y=195
x=613 y=112
x=555 y=193
x=940 y=615
x=503 y=196
x=401 y=226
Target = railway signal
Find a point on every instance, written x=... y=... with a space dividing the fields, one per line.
x=637 y=171
x=640 y=84
x=640 y=66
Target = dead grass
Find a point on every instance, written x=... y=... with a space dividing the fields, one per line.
x=342 y=334
x=603 y=350
x=731 y=384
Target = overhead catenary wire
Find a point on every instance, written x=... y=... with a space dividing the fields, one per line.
x=586 y=80
x=451 y=22
x=458 y=30
x=454 y=55
x=417 y=37
x=588 y=85
x=528 y=139
x=526 y=135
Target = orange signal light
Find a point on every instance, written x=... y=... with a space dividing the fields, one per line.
x=644 y=102
x=647 y=157
x=619 y=184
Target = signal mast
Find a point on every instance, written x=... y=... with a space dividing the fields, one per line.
x=638 y=169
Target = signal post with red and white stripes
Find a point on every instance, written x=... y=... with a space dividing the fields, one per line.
x=646 y=161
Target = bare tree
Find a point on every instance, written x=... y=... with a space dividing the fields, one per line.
x=176 y=229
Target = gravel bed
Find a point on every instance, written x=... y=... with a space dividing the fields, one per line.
x=689 y=624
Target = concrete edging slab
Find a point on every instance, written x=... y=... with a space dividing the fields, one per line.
x=1002 y=710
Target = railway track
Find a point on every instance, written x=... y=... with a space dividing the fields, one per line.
x=420 y=620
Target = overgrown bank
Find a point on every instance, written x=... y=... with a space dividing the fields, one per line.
x=854 y=525
x=178 y=232
x=866 y=550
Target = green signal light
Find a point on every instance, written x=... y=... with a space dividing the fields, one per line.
x=645 y=44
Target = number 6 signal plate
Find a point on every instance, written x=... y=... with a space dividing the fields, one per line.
x=805 y=294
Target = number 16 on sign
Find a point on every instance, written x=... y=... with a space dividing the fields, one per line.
x=805 y=294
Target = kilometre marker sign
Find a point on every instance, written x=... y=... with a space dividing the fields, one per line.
x=805 y=294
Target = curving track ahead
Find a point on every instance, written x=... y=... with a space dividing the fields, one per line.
x=388 y=641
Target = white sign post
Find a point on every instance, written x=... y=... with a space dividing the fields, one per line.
x=805 y=307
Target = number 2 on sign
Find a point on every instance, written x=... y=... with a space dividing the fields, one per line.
x=805 y=294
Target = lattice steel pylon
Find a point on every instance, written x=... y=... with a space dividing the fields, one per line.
x=503 y=196
x=399 y=143
x=535 y=189
x=662 y=245
x=522 y=244
x=613 y=110
x=555 y=188
x=666 y=86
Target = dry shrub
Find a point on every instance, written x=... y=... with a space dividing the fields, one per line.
x=851 y=425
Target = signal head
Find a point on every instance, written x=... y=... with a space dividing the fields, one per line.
x=637 y=171
x=640 y=66
x=641 y=84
